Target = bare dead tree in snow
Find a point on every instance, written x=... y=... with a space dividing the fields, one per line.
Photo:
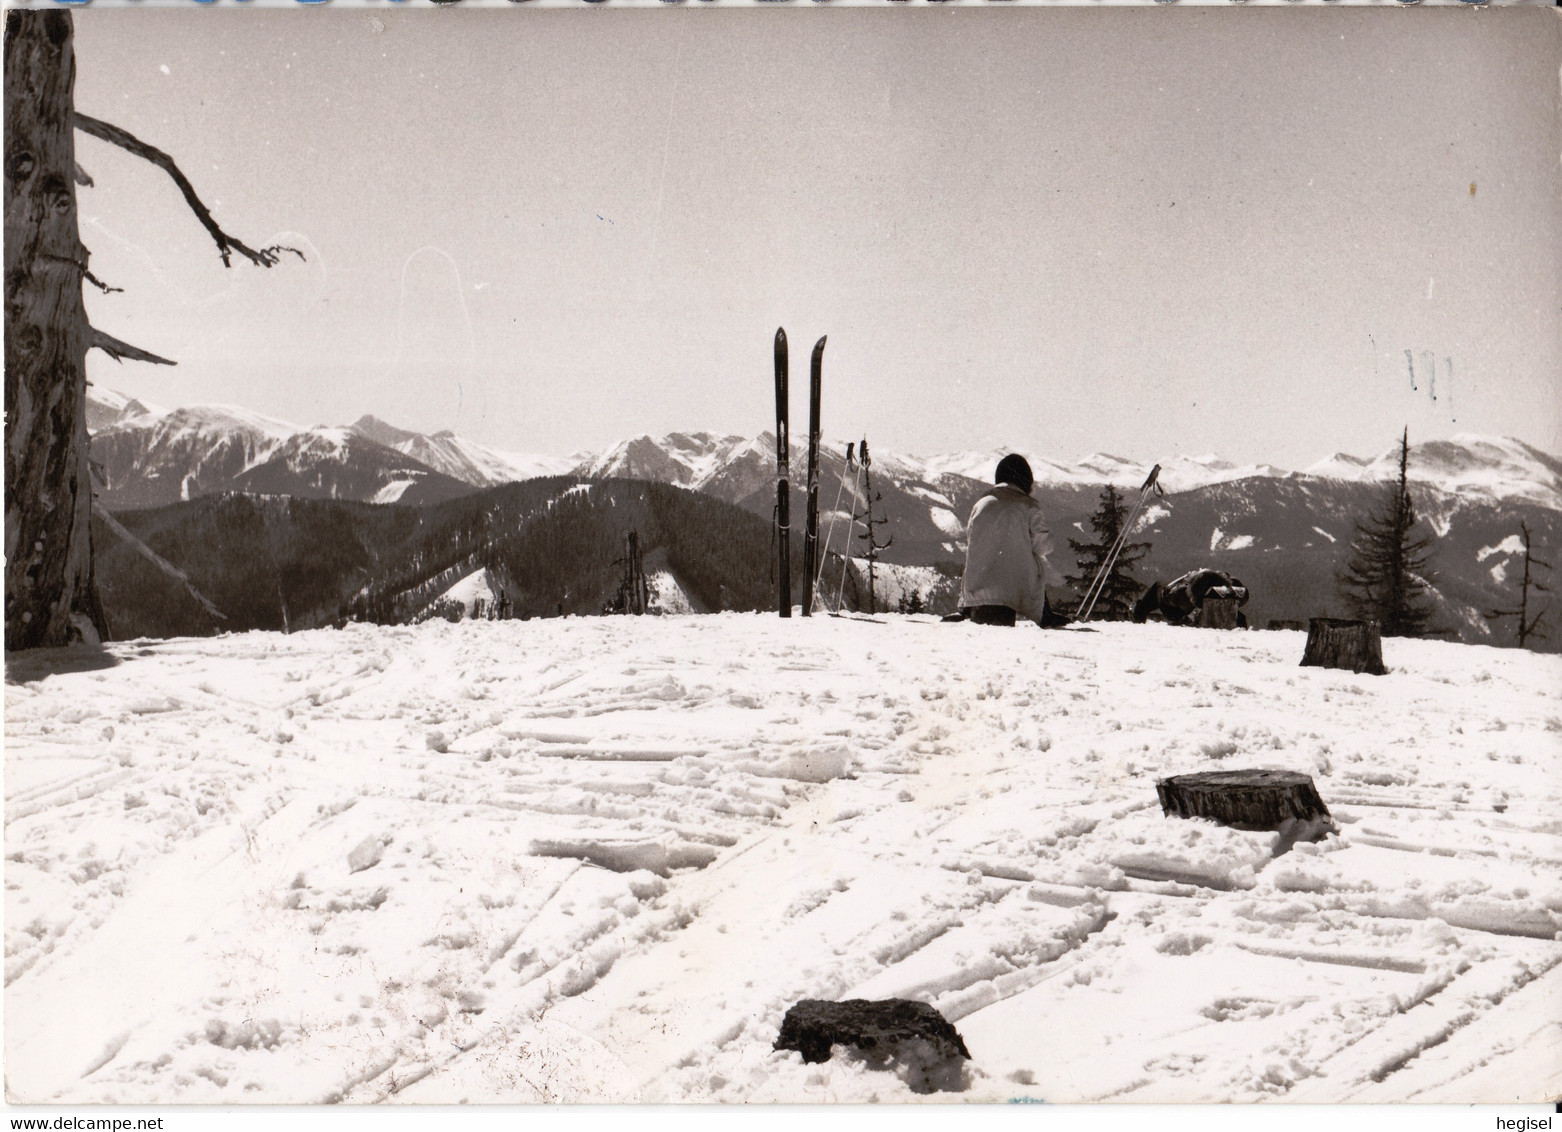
x=50 y=592
x=1527 y=626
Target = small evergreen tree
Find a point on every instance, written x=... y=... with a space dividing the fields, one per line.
x=1120 y=588
x=1386 y=577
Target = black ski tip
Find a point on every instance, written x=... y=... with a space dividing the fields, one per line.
x=780 y=337
x=819 y=346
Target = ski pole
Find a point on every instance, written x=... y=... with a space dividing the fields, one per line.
x=830 y=533
x=846 y=559
x=1098 y=586
x=1097 y=583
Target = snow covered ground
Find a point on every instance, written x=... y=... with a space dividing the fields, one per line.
x=597 y=859
x=480 y=586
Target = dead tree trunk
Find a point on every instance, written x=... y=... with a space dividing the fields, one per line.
x=50 y=595
x=1246 y=799
x=1218 y=613
x=1527 y=627
x=1334 y=642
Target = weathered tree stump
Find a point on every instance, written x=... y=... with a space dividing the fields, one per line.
x=912 y=1033
x=1218 y=613
x=1334 y=642
x=1243 y=799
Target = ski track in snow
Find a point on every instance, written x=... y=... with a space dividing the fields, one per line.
x=597 y=859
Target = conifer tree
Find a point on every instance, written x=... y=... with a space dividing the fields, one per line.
x=1386 y=578
x=1119 y=588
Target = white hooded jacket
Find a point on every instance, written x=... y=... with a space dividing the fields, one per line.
x=1006 y=553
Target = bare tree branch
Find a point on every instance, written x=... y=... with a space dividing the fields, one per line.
x=82 y=178
x=99 y=284
x=80 y=264
x=119 y=351
x=226 y=244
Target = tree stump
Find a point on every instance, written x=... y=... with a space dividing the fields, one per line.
x=1334 y=642
x=1243 y=799
x=1218 y=613
x=912 y=1033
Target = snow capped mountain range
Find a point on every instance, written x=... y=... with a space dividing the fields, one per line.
x=147 y=457
x=1285 y=532
x=688 y=459
x=154 y=455
x=461 y=459
x=1465 y=464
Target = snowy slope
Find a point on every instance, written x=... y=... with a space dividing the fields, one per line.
x=462 y=459
x=844 y=585
x=597 y=859
x=338 y=463
x=1178 y=473
x=1496 y=468
x=471 y=596
x=502 y=466
x=668 y=593
x=973 y=465
x=105 y=407
x=677 y=458
x=147 y=460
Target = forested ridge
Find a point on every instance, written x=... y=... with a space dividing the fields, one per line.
x=281 y=563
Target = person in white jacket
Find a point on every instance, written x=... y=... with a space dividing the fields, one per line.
x=1007 y=544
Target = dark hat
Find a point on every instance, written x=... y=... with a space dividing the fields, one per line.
x=1013 y=469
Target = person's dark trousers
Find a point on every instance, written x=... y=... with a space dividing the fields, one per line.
x=992 y=615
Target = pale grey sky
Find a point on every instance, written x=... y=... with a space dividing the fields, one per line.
x=1145 y=231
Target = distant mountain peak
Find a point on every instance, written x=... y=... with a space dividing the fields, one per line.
x=380 y=432
x=106 y=408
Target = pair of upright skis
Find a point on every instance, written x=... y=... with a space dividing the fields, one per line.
x=784 y=484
